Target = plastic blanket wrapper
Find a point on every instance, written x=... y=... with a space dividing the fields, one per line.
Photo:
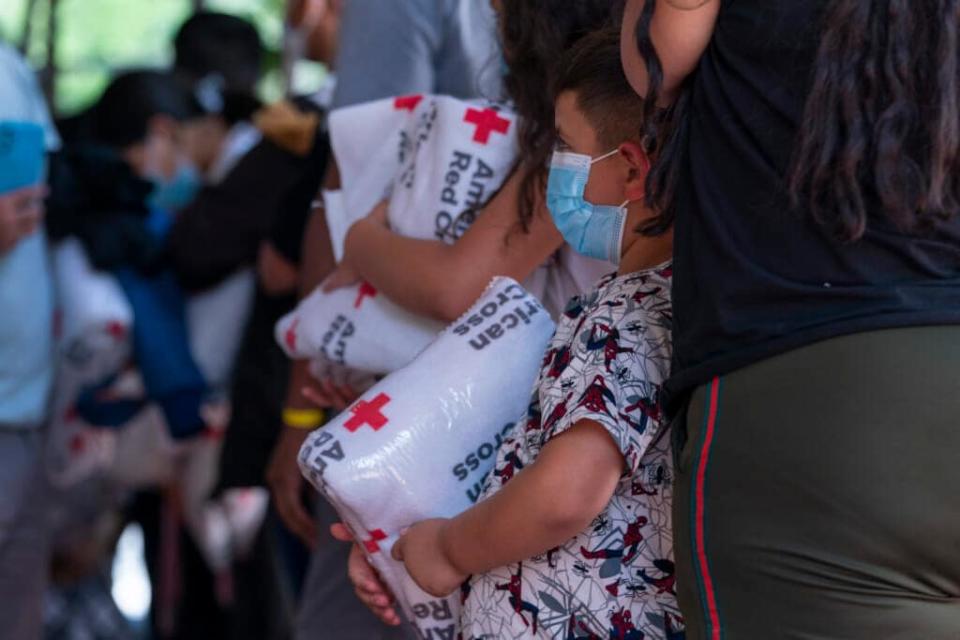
x=95 y=318
x=446 y=159
x=354 y=328
x=419 y=443
x=93 y=330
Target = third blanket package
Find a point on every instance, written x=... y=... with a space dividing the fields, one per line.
x=436 y=160
x=420 y=443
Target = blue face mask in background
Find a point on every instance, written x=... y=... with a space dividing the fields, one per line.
x=592 y=230
x=176 y=193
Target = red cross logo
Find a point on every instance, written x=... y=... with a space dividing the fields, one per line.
x=116 y=330
x=366 y=291
x=290 y=337
x=78 y=443
x=407 y=103
x=368 y=413
x=372 y=545
x=487 y=121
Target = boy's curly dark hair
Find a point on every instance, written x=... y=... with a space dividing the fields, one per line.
x=534 y=35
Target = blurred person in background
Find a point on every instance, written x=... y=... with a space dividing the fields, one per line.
x=218 y=44
x=26 y=367
x=261 y=376
x=257 y=213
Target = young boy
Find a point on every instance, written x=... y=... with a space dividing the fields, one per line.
x=573 y=538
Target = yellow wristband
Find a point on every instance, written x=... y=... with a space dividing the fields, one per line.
x=307 y=419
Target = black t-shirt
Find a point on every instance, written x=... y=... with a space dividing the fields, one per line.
x=754 y=278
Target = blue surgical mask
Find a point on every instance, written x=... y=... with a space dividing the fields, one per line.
x=174 y=194
x=592 y=230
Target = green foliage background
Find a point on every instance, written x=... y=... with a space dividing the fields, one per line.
x=97 y=37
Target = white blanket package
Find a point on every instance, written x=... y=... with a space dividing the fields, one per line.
x=439 y=160
x=419 y=443
x=354 y=328
x=94 y=327
x=95 y=317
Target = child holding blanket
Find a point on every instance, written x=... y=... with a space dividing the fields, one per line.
x=573 y=536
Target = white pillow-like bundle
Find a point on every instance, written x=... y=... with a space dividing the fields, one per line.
x=439 y=160
x=95 y=317
x=419 y=443
x=95 y=321
x=216 y=321
x=354 y=328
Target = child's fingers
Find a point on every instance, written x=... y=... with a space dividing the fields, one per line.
x=364 y=577
x=346 y=395
x=397 y=551
x=343 y=276
x=340 y=532
x=336 y=398
x=316 y=396
x=387 y=615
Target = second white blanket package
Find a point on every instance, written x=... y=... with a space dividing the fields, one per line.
x=438 y=160
x=419 y=443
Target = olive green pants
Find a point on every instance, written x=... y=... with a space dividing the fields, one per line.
x=818 y=494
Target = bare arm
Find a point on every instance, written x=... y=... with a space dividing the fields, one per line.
x=283 y=475
x=544 y=506
x=441 y=281
x=681 y=31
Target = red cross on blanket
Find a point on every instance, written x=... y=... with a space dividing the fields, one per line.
x=372 y=545
x=116 y=330
x=487 y=121
x=407 y=103
x=368 y=413
x=290 y=337
x=366 y=290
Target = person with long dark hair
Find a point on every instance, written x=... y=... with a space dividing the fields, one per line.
x=515 y=234
x=814 y=176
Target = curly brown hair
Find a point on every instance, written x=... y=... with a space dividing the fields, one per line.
x=881 y=129
x=534 y=35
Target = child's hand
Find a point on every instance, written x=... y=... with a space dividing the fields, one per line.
x=366 y=582
x=343 y=276
x=421 y=550
x=326 y=394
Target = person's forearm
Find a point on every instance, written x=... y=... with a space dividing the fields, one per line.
x=441 y=281
x=518 y=523
x=299 y=378
x=425 y=277
x=543 y=507
x=679 y=30
x=317 y=261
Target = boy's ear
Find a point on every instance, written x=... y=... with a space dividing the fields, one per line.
x=639 y=163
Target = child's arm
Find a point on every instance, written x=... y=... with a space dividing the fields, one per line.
x=439 y=280
x=544 y=506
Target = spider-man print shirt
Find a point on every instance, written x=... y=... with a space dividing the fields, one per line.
x=606 y=363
